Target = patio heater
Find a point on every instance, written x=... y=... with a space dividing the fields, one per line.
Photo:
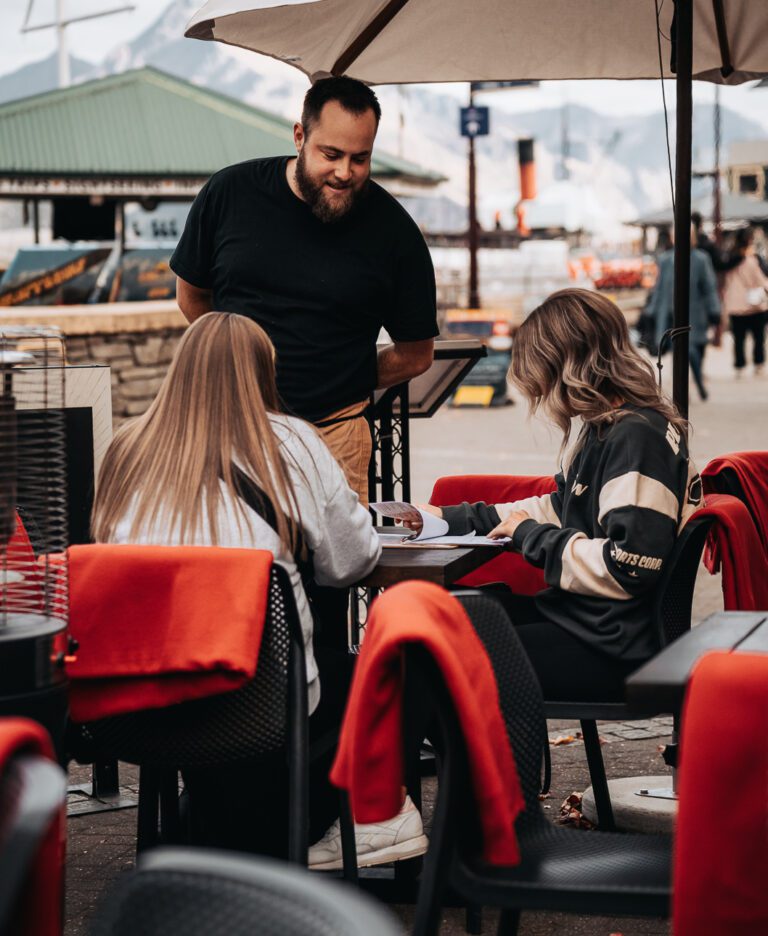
x=33 y=528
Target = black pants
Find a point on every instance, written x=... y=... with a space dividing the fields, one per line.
x=330 y=609
x=741 y=325
x=245 y=807
x=568 y=669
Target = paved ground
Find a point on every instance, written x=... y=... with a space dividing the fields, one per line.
x=488 y=441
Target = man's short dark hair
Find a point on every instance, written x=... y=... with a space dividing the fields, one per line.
x=352 y=95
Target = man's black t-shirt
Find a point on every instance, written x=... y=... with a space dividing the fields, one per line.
x=321 y=291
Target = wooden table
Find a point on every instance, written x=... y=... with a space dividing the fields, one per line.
x=442 y=566
x=660 y=685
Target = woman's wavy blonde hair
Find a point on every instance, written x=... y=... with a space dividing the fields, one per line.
x=573 y=356
x=212 y=410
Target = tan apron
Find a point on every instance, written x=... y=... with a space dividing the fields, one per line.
x=348 y=436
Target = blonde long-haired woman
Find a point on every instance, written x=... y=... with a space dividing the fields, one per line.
x=603 y=537
x=184 y=473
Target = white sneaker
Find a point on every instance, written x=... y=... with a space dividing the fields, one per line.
x=397 y=838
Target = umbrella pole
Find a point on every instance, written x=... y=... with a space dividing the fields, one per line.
x=684 y=59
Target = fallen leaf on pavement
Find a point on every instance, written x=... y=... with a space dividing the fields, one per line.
x=571 y=815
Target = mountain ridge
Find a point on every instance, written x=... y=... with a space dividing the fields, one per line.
x=617 y=166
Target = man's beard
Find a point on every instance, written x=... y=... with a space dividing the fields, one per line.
x=324 y=207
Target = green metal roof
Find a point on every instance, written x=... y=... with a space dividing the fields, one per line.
x=148 y=123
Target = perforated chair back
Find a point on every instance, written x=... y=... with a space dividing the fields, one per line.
x=205 y=893
x=519 y=693
x=227 y=728
x=32 y=794
x=599 y=873
x=673 y=600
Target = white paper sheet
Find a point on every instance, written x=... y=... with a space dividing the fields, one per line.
x=434 y=529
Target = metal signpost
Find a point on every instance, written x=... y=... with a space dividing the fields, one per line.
x=474 y=122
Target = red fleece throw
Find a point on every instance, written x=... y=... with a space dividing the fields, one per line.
x=369 y=761
x=751 y=468
x=721 y=840
x=159 y=625
x=509 y=568
x=21 y=581
x=733 y=543
x=42 y=898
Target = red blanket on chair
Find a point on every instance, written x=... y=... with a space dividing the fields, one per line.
x=41 y=901
x=751 y=469
x=21 y=581
x=162 y=624
x=369 y=761
x=510 y=568
x=734 y=546
x=721 y=841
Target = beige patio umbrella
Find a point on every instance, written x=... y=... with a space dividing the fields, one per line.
x=407 y=41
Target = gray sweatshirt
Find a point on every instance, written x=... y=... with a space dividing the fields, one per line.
x=335 y=526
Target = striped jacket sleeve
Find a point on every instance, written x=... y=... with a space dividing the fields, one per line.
x=482 y=517
x=638 y=513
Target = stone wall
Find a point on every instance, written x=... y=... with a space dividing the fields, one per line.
x=138 y=363
x=136 y=339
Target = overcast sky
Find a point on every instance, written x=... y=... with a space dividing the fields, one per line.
x=91 y=40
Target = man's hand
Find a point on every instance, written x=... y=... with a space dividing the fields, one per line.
x=403 y=360
x=507 y=527
x=416 y=524
x=192 y=300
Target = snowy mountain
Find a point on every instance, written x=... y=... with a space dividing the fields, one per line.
x=38 y=77
x=617 y=166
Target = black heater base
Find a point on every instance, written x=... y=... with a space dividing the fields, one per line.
x=46 y=706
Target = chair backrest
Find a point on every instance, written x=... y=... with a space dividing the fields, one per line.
x=198 y=893
x=519 y=694
x=727 y=481
x=673 y=598
x=227 y=728
x=32 y=794
x=507 y=567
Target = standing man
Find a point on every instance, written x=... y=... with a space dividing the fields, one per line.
x=322 y=258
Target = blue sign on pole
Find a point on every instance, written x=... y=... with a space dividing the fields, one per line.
x=474 y=121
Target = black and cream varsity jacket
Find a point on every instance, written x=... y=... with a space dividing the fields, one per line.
x=603 y=537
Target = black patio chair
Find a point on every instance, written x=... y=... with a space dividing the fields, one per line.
x=562 y=869
x=264 y=722
x=671 y=609
x=727 y=481
x=199 y=892
x=32 y=794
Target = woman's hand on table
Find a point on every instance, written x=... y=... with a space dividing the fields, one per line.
x=507 y=527
x=416 y=524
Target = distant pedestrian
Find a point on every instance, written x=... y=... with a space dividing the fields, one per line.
x=703 y=308
x=745 y=302
x=722 y=260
